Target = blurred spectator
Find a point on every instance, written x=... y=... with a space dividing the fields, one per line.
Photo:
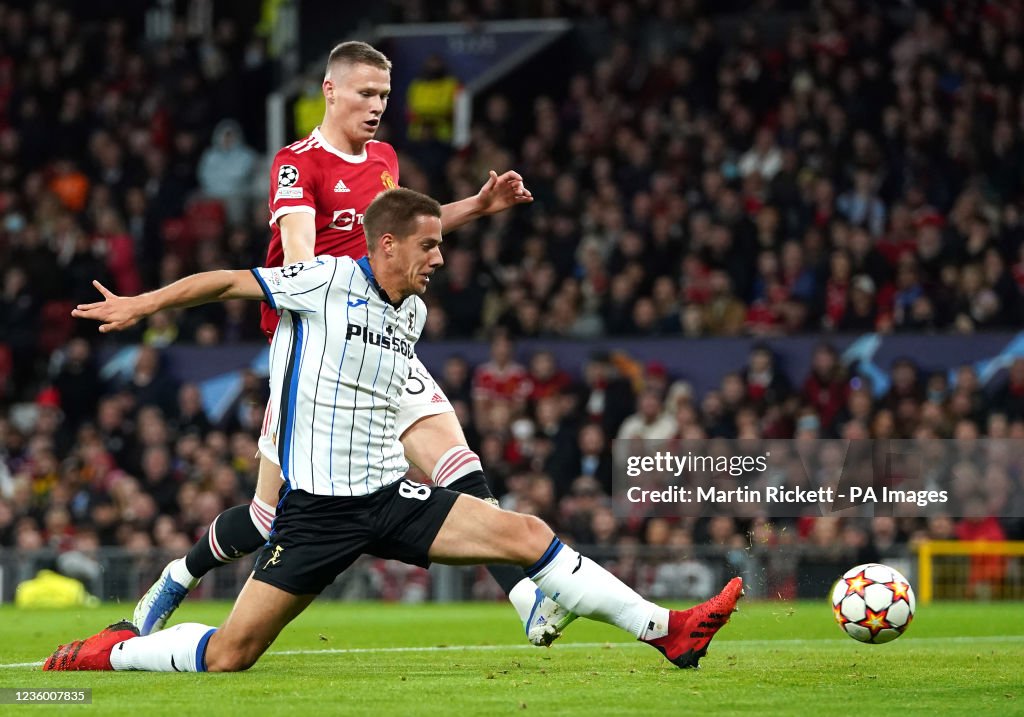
x=826 y=389
x=986 y=571
x=765 y=383
x=462 y=294
x=607 y=396
x=76 y=378
x=861 y=312
x=150 y=383
x=723 y=314
x=1009 y=399
x=190 y=416
x=860 y=207
x=431 y=102
x=589 y=457
x=500 y=379
x=70 y=185
x=650 y=420
x=18 y=308
x=546 y=378
x=113 y=242
x=228 y=170
x=764 y=158
x=308 y=110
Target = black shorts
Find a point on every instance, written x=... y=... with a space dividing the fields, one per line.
x=316 y=537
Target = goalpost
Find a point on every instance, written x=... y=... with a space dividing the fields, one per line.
x=970 y=570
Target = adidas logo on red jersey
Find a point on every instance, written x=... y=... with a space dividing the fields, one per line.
x=340 y=187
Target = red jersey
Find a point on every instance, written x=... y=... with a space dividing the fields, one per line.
x=336 y=188
x=508 y=382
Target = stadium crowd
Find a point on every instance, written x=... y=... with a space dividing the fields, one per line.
x=146 y=468
x=859 y=173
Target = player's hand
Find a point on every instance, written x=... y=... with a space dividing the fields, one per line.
x=116 y=313
x=500 y=193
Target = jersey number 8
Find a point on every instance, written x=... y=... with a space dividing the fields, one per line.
x=416 y=491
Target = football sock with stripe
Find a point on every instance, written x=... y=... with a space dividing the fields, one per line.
x=234 y=534
x=582 y=586
x=181 y=648
x=456 y=463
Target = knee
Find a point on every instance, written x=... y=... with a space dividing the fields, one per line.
x=230 y=663
x=234 y=658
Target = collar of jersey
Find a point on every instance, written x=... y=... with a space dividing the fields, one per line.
x=353 y=158
x=364 y=264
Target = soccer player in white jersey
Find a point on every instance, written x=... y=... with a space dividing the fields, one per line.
x=320 y=187
x=348 y=333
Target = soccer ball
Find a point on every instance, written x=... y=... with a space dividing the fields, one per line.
x=873 y=603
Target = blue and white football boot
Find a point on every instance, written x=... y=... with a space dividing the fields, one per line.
x=160 y=602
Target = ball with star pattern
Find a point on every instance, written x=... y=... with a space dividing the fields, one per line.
x=873 y=603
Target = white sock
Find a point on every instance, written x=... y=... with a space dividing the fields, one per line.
x=582 y=586
x=262 y=515
x=456 y=462
x=179 y=573
x=181 y=648
x=522 y=596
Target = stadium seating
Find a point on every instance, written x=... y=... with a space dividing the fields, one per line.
x=697 y=175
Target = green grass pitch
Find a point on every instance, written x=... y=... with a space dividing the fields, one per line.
x=472 y=659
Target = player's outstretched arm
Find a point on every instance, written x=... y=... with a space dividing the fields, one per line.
x=117 y=313
x=298 y=237
x=498 y=194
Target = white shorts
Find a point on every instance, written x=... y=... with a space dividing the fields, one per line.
x=421 y=397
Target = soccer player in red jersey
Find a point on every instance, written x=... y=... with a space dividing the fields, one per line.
x=320 y=188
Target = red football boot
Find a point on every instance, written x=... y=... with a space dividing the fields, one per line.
x=690 y=631
x=92 y=653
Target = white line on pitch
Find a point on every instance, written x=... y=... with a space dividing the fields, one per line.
x=603 y=645
x=593 y=645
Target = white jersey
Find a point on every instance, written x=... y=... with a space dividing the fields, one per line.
x=338 y=362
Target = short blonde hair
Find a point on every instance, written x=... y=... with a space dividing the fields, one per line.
x=357 y=53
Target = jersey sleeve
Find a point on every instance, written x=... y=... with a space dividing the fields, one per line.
x=292 y=180
x=300 y=287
